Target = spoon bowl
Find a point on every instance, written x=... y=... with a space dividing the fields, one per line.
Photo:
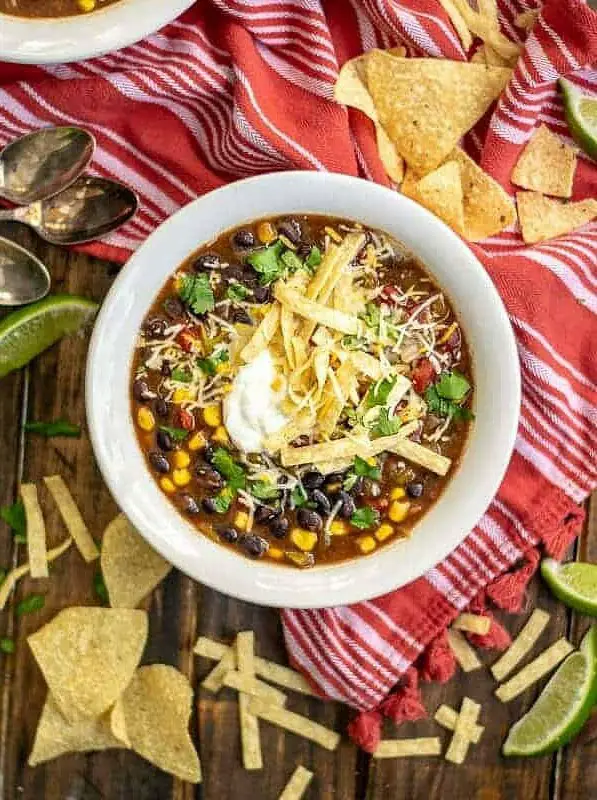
x=23 y=277
x=43 y=163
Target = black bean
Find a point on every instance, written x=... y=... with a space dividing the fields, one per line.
x=414 y=489
x=334 y=477
x=243 y=239
x=207 y=262
x=357 y=488
x=174 y=307
x=254 y=545
x=266 y=514
x=291 y=229
x=279 y=527
x=164 y=441
x=208 y=477
x=159 y=462
x=141 y=391
x=309 y=519
x=312 y=479
x=228 y=534
x=209 y=505
x=161 y=407
x=156 y=328
x=166 y=369
x=189 y=504
x=240 y=314
x=304 y=250
x=233 y=272
x=321 y=501
x=262 y=294
x=371 y=488
x=348 y=506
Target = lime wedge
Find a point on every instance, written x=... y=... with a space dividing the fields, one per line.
x=575 y=583
x=30 y=330
x=581 y=115
x=563 y=706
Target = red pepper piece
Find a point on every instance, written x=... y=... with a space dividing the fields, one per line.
x=423 y=375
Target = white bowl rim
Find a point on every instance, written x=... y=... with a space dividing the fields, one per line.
x=65 y=39
x=267 y=583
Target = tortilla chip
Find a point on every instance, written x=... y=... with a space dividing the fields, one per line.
x=118 y=723
x=542 y=218
x=441 y=192
x=157 y=707
x=392 y=161
x=484 y=25
x=88 y=657
x=494 y=59
x=526 y=19
x=411 y=178
x=131 y=568
x=458 y=22
x=426 y=105
x=488 y=209
x=56 y=736
x=36 y=532
x=546 y=165
x=71 y=515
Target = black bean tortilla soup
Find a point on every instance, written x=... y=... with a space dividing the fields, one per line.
x=301 y=390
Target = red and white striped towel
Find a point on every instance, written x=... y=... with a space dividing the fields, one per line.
x=239 y=87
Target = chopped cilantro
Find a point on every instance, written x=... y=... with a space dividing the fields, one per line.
x=298 y=497
x=31 y=603
x=453 y=386
x=229 y=469
x=351 y=342
x=292 y=261
x=365 y=517
x=14 y=516
x=210 y=365
x=366 y=470
x=7 y=645
x=181 y=375
x=237 y=292
x=178 y=434
x=100 y=588
x=350 y=481
x=59 y=427
x=387 y=425
x=264 y=490
x=196 y=292
x=268 y=263
x=446 y=408
x=314 y=257
x=379 y=392
x=371 y=316
x=223 y=500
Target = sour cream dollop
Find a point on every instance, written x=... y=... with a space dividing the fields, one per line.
x=252 y=408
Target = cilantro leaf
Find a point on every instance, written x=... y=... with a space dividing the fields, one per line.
x=379 y=392
x=298 y=497
x=371 y=316
x=59 y=427
x=210 y=365
x=178 y=434
x=351 y=342
x=229 y=469
x=15 y=518
x=446 y=408
x=291 y=260
x=264 y=490
x=268 y=263
x=196 y=292
x=365 y=517
x=366 y=470
x=387 y=425
x=100 y=588
x=33 y=602
x=453 y=386
x=181 y=375
x=7 y=645
x=223 y=501
x=236 y=292
x=350 y=481
x=314 y=257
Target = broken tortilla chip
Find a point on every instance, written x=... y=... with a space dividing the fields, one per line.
x=426 y=105
x=71 y=515
x=157 y=708
x=441 y=192
x=56 y=736
x=458 y=23
x=36 y=532
x=542 y=218
x=88 y=657
x=546 y=165
x=484 y=24
x=131 y=568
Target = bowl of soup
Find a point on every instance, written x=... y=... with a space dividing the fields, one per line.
x=57 y=31
x=303 y=390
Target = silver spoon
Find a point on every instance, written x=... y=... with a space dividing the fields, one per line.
x=23 y=278
x=43 y=163
x=88 y=209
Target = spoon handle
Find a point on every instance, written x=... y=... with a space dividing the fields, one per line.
x=30 y=215
x=8 y=214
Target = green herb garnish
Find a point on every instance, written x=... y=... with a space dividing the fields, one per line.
x=268 y=263
x=366 y=470
x=181 y=375
x=178 y=434
x=453 y=386
x=237 y=292
x=299 y=499
x=387 y=425
x=196 y=292
x=365 y=517
x=100 y=588
x=59 y=427
x=34 y=602
x=291 y=260
x=229 y=469
x=14 y=516
x=223 y=500
x=210 y=365
x=264 y=490
x=371 y=316
x=7 y=645
x=446 y=408
x=379 y=392
x=351 y=342
x=314 y=257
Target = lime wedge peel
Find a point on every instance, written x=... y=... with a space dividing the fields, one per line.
x=563 y=706
x=581 y=116
x=575 y=584
x=30 y=330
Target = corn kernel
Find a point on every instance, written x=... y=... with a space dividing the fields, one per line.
x=196 y=442
x=333 y=234
x=145 y=419
x=241 y=520
x=212 y=416
x=266 y=232
x=220 y=435
x=276 y=553
x=181 y=477
x=167 y=485
x=338 y=528
x=398 y=493
x=181 y=459
x=181 y=395
x=304 y=540
x=333 y=487
x=384 y=532
x=371 y=461
x=366 y=544
x=86 y=5
x=398 y=510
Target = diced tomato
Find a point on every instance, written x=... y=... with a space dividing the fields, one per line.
x=423 y=375
x=390 y=294
x=379 y=503
x=186 y=340
x=186 y=420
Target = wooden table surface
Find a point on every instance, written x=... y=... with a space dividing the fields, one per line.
x=181 y=610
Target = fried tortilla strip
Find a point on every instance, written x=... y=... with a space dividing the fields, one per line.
x=463 y=652
x=215 y=680
x=404 y=748
x=458 y=22
x=367 y=364
x=36 y=532
x=540 y=666
x=420 y=455
x=447 y=718
x=344 y=448
x=466 y=726
x=287 y=327
x=17 y=573
x=524 y=642
x=327 y=467
x=256 y=688
x=263 y=335
x=249 y=724
x=297 y=785
x=301 y=424
x=316 y=312
x=295 y=723
x=329 y=414
x=472 y=623
x=71 y=515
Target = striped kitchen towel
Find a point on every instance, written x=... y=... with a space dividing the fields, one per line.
x=239 y=87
